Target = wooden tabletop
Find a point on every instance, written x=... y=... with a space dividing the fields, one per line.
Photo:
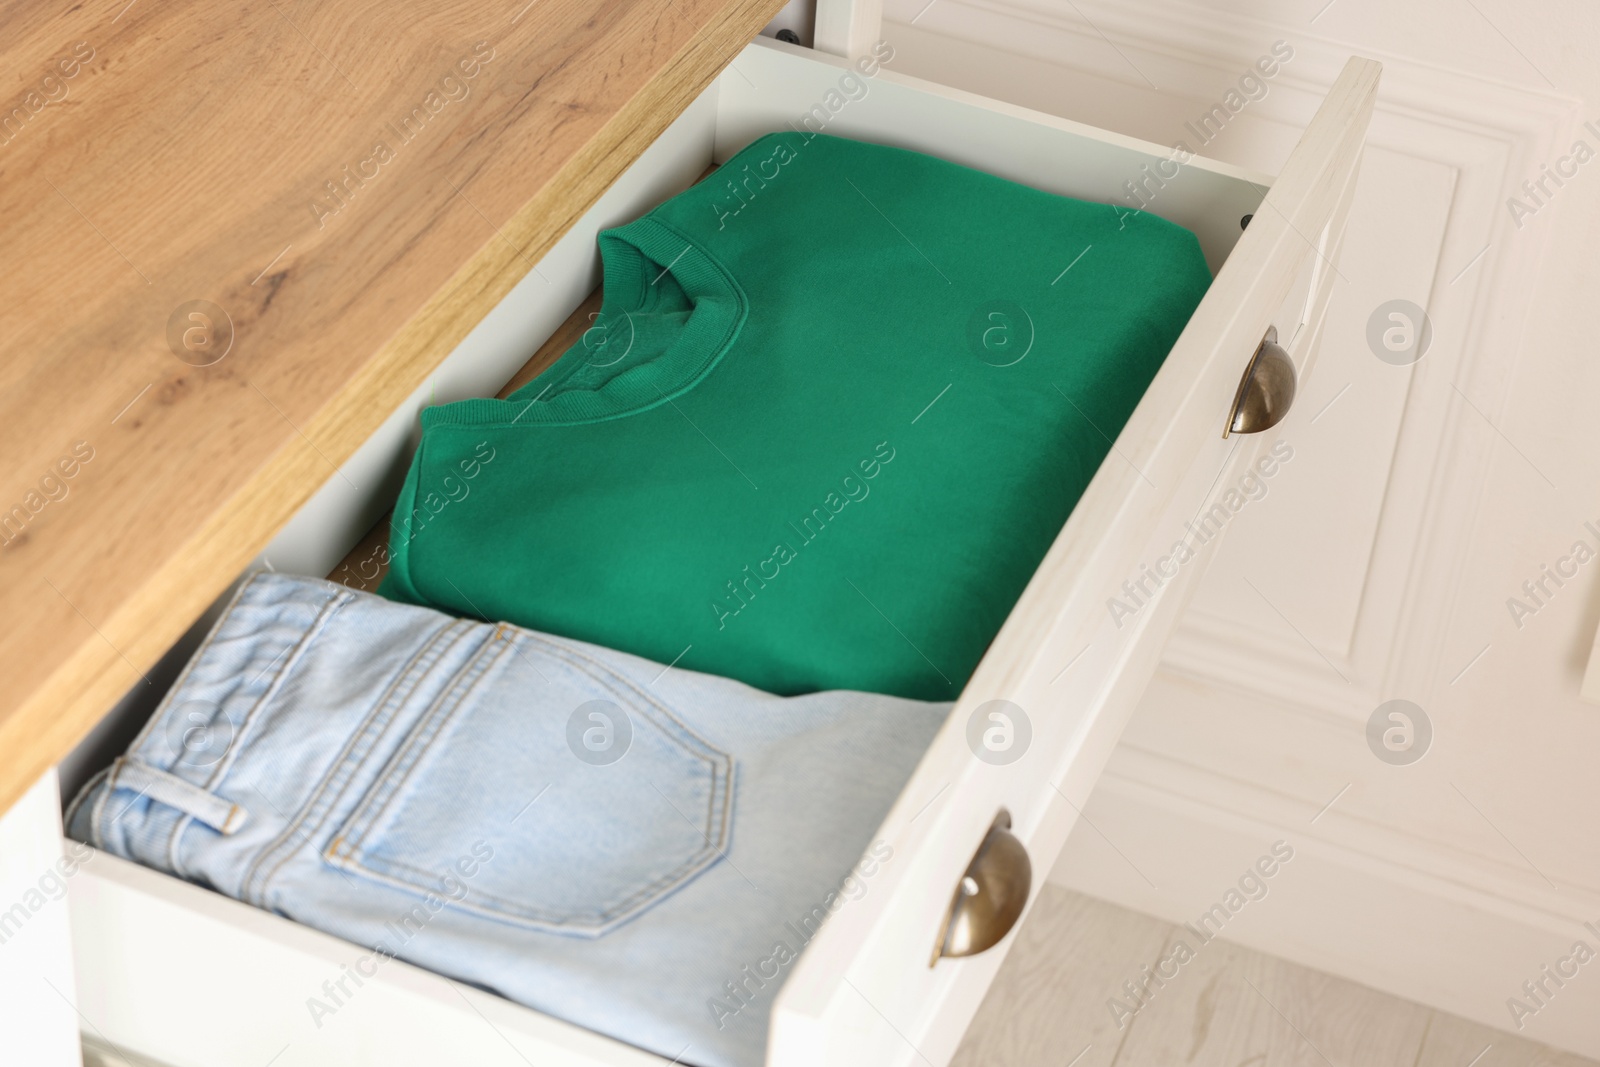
x=233 y=238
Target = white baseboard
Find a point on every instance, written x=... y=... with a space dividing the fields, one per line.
x=1439 y=929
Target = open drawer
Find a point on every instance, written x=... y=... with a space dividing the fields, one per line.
x=197 y=980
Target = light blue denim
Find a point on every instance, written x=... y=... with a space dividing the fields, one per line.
x=448 y=792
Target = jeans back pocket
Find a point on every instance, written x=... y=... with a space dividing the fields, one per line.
x=545 y=790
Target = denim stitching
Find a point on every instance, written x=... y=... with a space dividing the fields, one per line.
x=212 y=783
x=325 y=798
x=97 y=813
x=350 y=846
x=520 y=914
x=97 y=831
x=512 y=911
x=89 y=790
x=329 y=609
x=326 y=795
x=349 y=763
x=628 y=905
x=433 y=725
x=721 y=764
x=409 y=757
x=113 y=779
x=193 y=664
x=173 y=840
x=602 y=672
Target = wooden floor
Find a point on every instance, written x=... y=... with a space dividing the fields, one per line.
x=1227 y=1007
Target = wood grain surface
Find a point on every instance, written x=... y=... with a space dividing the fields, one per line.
x=353 y=185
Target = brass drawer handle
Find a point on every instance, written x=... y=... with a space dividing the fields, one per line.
x=990 y=896
x=1267 y=389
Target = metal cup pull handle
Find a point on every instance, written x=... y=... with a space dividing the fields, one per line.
x=1266 y=391
x=990 y=896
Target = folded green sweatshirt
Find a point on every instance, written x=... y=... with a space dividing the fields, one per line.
x=839 y=400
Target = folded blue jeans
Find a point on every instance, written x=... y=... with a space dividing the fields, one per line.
x=639 y=850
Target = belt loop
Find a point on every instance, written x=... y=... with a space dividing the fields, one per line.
x=223 y=816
